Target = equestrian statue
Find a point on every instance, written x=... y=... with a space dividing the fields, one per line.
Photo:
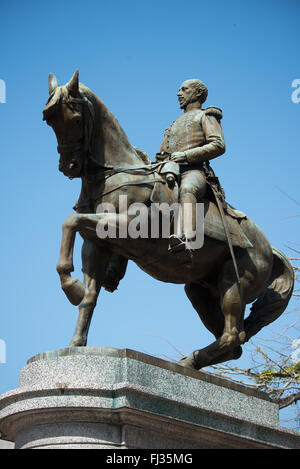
x=235 y=265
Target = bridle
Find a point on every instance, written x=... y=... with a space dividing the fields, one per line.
x=84 y=144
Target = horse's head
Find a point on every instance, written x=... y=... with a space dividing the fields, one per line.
x=70 y=113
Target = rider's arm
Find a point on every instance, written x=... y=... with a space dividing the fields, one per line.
x=214 y=141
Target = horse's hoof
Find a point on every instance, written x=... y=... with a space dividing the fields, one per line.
x=178 y=248
x=176 y=244
x=187 y=362
x=80 y=342
x=74 y=290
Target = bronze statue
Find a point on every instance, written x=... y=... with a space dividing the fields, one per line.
x=192 y=140
x=236 y=265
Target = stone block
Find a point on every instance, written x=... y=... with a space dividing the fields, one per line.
x=104 y=398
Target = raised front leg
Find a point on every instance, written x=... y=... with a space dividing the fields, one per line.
x=95 y=224
x=69 y=228
x=73 y=288
x=94 y=265
x=80 y=222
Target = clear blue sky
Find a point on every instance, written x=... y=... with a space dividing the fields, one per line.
x=134 y=55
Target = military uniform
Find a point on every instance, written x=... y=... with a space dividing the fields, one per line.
x=197 y=133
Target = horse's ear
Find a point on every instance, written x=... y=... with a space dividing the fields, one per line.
x=52 y=83
x=73 y=85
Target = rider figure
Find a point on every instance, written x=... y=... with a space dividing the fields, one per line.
x=191 y=141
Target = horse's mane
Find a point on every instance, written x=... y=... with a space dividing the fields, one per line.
x=99 y=104
x=100 y=111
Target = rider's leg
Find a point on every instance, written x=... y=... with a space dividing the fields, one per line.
x=192 y=189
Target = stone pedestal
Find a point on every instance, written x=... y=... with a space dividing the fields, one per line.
x=93 y=397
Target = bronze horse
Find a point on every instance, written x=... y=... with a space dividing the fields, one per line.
x=93 y=147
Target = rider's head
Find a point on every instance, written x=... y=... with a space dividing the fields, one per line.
x=191 y=91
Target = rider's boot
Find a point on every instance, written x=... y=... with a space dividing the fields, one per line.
x=179 y=244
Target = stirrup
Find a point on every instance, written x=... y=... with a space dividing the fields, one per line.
x=176 y=244
x=178 y=247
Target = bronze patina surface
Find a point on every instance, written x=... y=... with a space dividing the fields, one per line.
x=235 y=266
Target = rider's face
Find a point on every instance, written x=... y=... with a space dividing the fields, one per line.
x=187 y=94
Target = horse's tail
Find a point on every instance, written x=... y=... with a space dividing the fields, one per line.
x=274 y=299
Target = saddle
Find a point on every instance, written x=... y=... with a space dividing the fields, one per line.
x=213 y=222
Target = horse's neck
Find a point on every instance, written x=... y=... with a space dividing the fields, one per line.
x=110 y=146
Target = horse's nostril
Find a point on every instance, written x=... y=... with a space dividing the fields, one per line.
x=73 y=164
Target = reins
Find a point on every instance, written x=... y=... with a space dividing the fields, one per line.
x=104 y=173
x=133 y=170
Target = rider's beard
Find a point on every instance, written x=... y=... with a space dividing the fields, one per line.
x=185 y=102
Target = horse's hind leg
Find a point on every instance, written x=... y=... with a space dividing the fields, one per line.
x=210 y=313
x=232 y=305
x=207 y=307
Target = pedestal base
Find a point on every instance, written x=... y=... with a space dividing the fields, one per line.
x=93 y=397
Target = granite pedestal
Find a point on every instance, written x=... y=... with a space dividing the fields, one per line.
x=96 y=397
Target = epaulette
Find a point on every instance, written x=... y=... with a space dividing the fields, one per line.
x=214 y=111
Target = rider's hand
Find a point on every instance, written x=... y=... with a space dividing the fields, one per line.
x=178 y=157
